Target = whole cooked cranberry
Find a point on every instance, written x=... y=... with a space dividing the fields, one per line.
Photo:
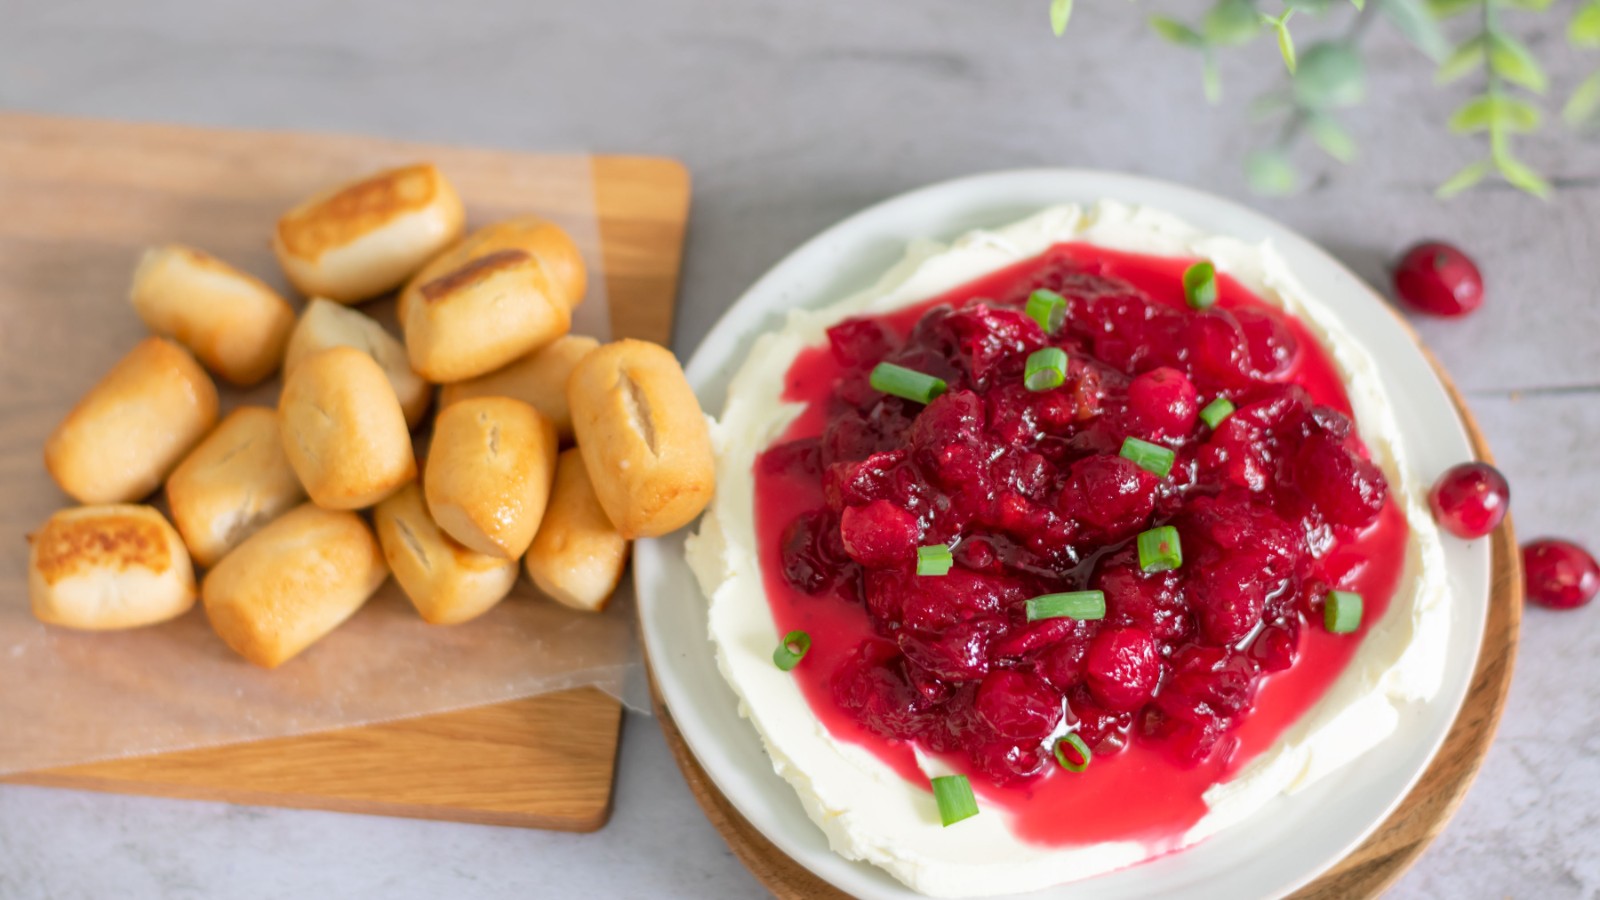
x=811 y=559
x=1111 y=494
x=1559 y=574
x=1008 y=762
x=860 y=343
x=1163 y=404
x=959 y=653
x=1229 y=596
x=879 y=535
x=1272 y=347
x=1217 y=353
x=1104 y=730
x=1469 y=500
x=1018 y=705
x=1348 y=488
x=1277 y=646
x=1149 y=601
x=871 y=686
x=1437 y=278
x=1123 y=668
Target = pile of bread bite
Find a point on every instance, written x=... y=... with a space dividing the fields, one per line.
x=267 y=500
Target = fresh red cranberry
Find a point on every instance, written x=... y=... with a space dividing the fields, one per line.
x=1123 y=668
x=1470 y=499
x=879 y=535
x=1018 y=705
x=1437 y=278
x=1559 y=574
x=1163 y=404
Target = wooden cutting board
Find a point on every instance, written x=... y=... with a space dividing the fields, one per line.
x=1369 y=869
x=543 y=762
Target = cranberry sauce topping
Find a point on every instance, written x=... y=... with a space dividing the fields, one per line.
x=1192 y=671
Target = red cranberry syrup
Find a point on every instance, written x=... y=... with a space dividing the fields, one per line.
x=1192 y=672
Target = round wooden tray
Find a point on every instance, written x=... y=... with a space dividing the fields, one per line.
x=1369 y=868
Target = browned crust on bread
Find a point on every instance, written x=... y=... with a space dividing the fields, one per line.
x=475 y=270
x=67 y=546
x=335 y=220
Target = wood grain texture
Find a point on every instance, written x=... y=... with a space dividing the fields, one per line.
x=544 y=762
x=1367 y=870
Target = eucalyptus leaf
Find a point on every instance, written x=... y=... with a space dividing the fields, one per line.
x=1474 y=115
x=1270 y=172
x=1444 y=9
x=1060 y=13
x=1176 y=32
x=1231 y=22
x=1583 y=107
x=1330 y=75
x=1412 y=19
x=1332 y=137
x=1466 y=58
x=1482 y=113
x=1511 y=60
x=1468 y=177
x=1584 y=29
x=1518 y=175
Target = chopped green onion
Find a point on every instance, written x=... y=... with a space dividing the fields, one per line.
x=1153 y=458
x=1081 y=605
x=1159 y=550
x=1200 y=285
x=1077 y=745
x=1046 y=369
x=934 y=560
x=953 y=793
x=793 y=646
x=903 y=382
x=1341 y=612
x=1048 y=308
x=1216 y=412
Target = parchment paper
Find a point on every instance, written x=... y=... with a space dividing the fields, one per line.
x=66 y=255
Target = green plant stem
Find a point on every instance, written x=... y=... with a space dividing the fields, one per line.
x=1295 y=124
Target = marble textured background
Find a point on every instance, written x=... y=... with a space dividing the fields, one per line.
x=792 y=115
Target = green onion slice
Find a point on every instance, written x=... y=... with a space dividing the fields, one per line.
x=1341 y=612
x=1071 y=741
x=1048 y=308
x=1046 y=369
x=1153 y=458
x=934 y=560
x=1081 y=605
x=1159 y=550
x=793 y=646
x=1200 y=285
x=1216 y=412
x=908 y=383
x=953 y=793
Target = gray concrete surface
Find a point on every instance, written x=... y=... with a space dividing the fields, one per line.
x=792 y=115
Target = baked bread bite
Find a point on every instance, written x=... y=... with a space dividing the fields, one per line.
x=230 y=320
x=488 y=474
x=131 y=429
x=236 y=481
x=343 y=430
x=325 y=324
x=503 y=292
x=291 y=583
x=538 y=379
x=365 y=238
x=446 y=582
x=643 y=437
x=578 y=557
x=101 y=568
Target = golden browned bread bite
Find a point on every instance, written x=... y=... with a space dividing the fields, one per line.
x=488 y=473
x=230 y=320
x=127 y=433
x=106 y=567
x=538 y=379
x=446 y=582
x=235 y=482
x=505 y=291
x=343 y=430
x=578 y=556
x=362 y=239
x=291 y=583
x=325 y=324
x=643 y=437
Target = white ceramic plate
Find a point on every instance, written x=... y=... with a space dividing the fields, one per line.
x=1293 y=839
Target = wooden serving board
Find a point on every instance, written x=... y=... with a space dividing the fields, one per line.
x=543 y=762
x=1367 y=870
